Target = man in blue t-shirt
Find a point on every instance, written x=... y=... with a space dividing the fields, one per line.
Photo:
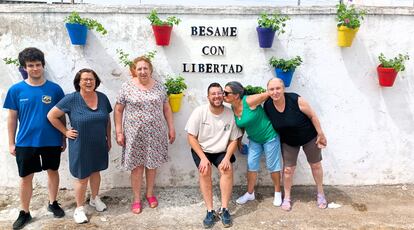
x=38 y=144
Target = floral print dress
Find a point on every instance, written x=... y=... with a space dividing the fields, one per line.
x=144 y=125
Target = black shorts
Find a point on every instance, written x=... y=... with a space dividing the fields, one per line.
x=214 y=158
x=35 y=159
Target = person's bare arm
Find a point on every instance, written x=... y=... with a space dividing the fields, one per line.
x=306 y=109
x=11 y=128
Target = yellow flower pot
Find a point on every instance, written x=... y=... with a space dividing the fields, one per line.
x=175 y=101
x=346 y=36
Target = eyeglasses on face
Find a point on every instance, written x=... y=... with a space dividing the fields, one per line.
x=226 y=93
x=87 y=79
x=217 y=94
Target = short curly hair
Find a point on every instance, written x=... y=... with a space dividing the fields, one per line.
x=31 y=54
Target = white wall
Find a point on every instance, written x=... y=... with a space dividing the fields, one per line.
x=369 y=128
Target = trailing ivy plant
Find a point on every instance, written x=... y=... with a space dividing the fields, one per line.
x=92 y=24
x=123 y=58
x=397 y=63
x=156 y=21
x=175 y=85
x=11 y=61
x=150 y=55
x=285 y=65
x=275 y=22
x=250 y=90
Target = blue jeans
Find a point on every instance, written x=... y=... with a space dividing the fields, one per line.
x=272 y=152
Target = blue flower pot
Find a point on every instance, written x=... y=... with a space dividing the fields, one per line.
x=77 y=33
x=266 y=36
x=23 y=72
x=285 y=76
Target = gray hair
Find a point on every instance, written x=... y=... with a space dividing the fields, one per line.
x=276 y=79
x=236 y=87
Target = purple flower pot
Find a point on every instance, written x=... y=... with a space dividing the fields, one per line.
x=266 y=36
x=23 y=72
x=285 y=76
x=77 y=33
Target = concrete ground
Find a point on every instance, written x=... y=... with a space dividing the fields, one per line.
x=367 y=207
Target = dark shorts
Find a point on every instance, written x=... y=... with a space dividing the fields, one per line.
x=290 y=153
x=214 y=158
x=35 y=159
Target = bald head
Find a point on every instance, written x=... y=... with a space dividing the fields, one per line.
x=275 y=81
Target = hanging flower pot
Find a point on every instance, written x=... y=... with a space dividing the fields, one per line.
x=162 y=34
x=389 y=68
x=285 y=76
x=284 y=69
x=346 y=36
x=386 y=76
x=77 y=33
x=175 y=101
x=162 y=28
x=266 y=37
x=78 y=27
x=268 y=25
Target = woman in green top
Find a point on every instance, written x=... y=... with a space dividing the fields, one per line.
x=249 y=114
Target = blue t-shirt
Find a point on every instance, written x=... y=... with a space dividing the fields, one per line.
x=32 y=104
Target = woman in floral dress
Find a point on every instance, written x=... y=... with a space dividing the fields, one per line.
x=144 y=126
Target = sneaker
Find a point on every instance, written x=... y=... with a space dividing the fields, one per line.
x=277 y=201
x=56 y=209
x=79 y=215
x=210 y=219
x=22 y=220
x=246 y=197
x=226 y=218
x=98 y=204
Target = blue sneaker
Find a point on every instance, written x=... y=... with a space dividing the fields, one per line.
x=210 y=219
x=226 y=218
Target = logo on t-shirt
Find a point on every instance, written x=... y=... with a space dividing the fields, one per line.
x=226 y=127
x=46 y=99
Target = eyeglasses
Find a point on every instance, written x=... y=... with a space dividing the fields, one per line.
x=87 y=79
x=227 y=93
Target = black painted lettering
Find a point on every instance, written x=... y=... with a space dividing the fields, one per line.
x=204 y=50
x=201 y=68
x=193 y=65
x=231 y=69
x=194 y=31
x=225 y=31
x=208 y=68
x=209 y=31
x=220 y=50
x=233 y=32
x=216 y=68
x=239 y=68
x=185 y=68
x=202 y=31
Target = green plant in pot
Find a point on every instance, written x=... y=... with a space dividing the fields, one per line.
x=349 y=20
x=284 y=69
x=250 y=90
x=268 y=25
x=78 y=27
x=175 y=86
x=15 y=61
x=162 y=28
x=388 y=68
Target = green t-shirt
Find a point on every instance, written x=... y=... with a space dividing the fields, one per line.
x=255 y=122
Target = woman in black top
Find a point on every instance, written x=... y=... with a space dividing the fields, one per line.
x=297 y=125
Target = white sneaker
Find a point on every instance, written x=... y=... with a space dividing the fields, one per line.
x=79 y=215
x=246 y=197
x=277 y=201
x=98 y=204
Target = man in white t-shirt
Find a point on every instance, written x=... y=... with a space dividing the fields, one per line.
x=212 y=135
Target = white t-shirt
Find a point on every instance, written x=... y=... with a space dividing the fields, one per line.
x=213 y=132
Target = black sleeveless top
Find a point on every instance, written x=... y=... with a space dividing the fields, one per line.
x=293 y=126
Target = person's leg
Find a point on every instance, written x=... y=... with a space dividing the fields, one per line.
x=80 y=186
x=26 y=191
x=206 y=188
x=226 y=183
x=288 y=180
x=274 y=165
x=150 y=181
x=136 y=182
x=52 y=184
x=290 y=156
x=95 y=182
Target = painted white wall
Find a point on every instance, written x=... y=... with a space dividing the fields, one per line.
x=369 y=128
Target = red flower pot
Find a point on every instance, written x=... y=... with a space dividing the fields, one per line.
x=162 y=34
x=386 y=76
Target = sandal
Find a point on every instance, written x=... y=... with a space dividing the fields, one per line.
x=321 y=201
x=286 y=204
x=136 y=207
x=152 y=202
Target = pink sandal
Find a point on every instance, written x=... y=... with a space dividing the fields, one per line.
x=286 y=205
x=136 y=207
x=321 y=201
x=152 y=202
